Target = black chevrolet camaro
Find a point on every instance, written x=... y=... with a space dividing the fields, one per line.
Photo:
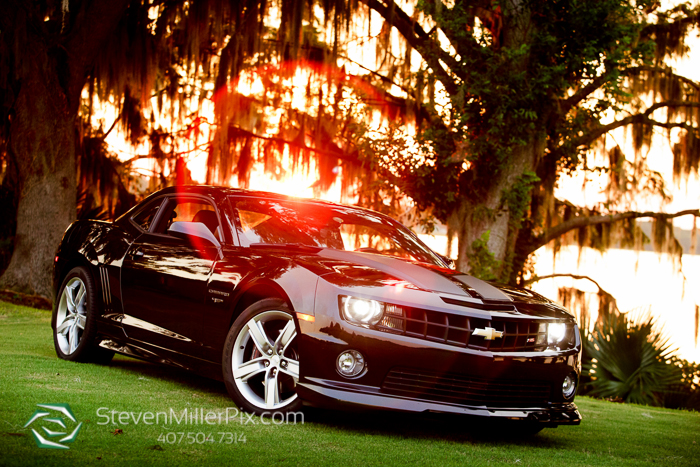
x=292 y=301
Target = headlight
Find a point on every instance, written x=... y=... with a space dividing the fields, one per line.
x=361 y=311
x=556 y=332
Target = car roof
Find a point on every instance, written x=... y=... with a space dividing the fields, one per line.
x=220 y=190
x=215 y=191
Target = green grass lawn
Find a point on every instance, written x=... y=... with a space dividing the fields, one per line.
x=31 y=374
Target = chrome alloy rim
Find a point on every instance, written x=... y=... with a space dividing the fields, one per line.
x=265 y=361
x=71 y=316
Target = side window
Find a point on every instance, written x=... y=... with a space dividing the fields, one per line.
x=270 y=221
x=144 y=218
x=190 y=210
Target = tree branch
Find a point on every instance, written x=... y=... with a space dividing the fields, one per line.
x=447 y=22
x=114 y=124
x=381 y=77
x=643 y=117
x=570 y=102
x=339 y=155
x=655 y=28
x=585 y=221
x=567 y=104
x=416 y=36
x=577 y=277
x=303 y=147
x=423 y=112
x=670 y=125
x=666 y=71
x=573 y=276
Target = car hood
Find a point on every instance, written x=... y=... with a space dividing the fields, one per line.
x=351 y=268
x=424 y=276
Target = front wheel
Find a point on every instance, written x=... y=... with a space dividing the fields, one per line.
x=74 y=316
x=261 y=359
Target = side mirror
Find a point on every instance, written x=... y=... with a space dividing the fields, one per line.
x=196 y=233
x=447 y=260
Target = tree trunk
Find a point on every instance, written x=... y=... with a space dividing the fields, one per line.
x=42 y=144
x=46 y=208
x=47 y=72
x=492 y=214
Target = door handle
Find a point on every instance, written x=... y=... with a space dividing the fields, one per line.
x=136 y=253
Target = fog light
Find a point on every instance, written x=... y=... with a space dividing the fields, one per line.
x=350 y=363
x=568 y=387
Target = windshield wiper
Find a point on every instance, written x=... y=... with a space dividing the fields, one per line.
x=289 y=246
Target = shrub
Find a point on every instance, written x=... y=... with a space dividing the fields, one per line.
x=629 y=362
x=684 y=393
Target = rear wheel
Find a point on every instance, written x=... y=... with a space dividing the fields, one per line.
x=261 y=360
x=74 y=320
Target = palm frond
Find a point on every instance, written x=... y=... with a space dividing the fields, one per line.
x=629 y=361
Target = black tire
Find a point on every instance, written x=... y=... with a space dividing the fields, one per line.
x=71 y=320
x=249 y=361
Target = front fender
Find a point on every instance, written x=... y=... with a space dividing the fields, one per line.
x=300 y=286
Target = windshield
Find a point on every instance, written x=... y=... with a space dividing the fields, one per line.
x=320 y=225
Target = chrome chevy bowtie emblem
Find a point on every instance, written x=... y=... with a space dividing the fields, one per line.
x=489 y=333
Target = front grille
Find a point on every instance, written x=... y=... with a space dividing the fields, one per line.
x=464 y=390
x=519 y=335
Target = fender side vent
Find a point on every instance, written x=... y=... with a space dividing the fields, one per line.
x=106 y=290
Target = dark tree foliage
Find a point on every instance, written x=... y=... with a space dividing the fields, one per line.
x=57 y=58
x=528 y=86
x=507 y=96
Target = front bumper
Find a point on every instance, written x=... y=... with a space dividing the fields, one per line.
x=417 y=375
x=325 y=393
